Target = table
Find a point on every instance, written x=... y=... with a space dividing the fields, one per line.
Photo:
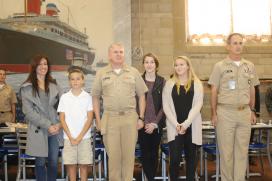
x=207 y=126
x=11 y=127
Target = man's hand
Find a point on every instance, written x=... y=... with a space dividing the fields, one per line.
x=253 y=118
x=13 y=119
x=140 y=124
x=214 y=120
x=78 y=140
x=73 y=141
x=98 y=125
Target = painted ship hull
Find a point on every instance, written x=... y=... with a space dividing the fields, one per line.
x=17 y=48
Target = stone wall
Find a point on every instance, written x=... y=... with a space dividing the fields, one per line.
x=152 y=31
x=157 y=26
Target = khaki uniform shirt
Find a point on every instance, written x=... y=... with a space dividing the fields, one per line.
x=7 y=98
x=118 y=90
x=233 y=82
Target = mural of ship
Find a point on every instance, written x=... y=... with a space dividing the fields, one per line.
x=101 y=63
x=79 y=62
x=24 y=35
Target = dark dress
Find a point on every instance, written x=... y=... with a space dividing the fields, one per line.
x=183 y=104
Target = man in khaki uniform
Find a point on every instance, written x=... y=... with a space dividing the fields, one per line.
x=232 y=100
x=7 y=100
x=119 y=84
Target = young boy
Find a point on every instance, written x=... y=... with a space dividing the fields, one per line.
x=76 y=115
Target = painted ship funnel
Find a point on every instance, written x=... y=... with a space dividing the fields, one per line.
x=51 y=9
x=34 y=6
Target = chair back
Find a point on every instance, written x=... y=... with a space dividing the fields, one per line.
x=208 y=136
x=21 y=139
x=22 y=156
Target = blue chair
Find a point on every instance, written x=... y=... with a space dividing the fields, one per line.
x=164 y=160
x=24 y=160
x=97 y=161
x=259 y=148
x=3 y=161
x=8 y=148
x=138 y=155
x=100 y=157
x=211 y=149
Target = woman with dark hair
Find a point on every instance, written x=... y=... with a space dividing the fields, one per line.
x=40 y=94
x=154 y=119
x=182 y=102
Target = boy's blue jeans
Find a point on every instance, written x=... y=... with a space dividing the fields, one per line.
x=49 y=171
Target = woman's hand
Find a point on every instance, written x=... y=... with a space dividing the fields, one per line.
x=149 y=128
x=180 y=129
x=51 y=130
x=54 y=129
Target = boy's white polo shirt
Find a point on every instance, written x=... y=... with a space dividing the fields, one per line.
x=75 y=109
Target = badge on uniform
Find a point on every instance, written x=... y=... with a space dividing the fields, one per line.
x=232 y=84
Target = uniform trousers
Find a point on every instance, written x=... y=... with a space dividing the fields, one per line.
x=120 y=139
x=233 y=134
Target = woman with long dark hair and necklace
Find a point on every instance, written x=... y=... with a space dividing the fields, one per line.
x=40 y=94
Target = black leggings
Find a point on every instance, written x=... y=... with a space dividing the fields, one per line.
x=149 y=145
x=175 y=147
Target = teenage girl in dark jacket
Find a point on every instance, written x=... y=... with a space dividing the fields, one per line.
x=150 y=135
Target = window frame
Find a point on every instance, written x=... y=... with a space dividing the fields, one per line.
x=180 y=35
